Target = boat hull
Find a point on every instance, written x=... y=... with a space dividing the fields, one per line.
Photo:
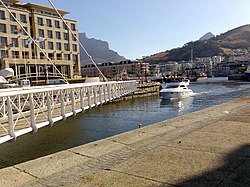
x=165 y=94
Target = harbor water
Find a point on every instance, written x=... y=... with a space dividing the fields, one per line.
x=117 y=117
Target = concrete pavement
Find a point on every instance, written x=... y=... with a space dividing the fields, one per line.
x=210 y=147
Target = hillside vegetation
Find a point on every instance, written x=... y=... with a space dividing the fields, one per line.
x=238 y=38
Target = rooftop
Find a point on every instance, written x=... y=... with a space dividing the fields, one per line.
x=42 y=7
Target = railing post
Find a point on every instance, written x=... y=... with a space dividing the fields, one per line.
x=32 y=113
x=62 y=106
x=19 y=102
x=95 y=93
x=119 y=91
x=43 y=99
x=89 y=98
x=73 y=102
x=49 y=107
x=116 y=92
x=100 y=94
x=124 y=88
x=82 y=99
x=10 y=119
x=104 y=93
x=112 y=91
x=4 y=106
x=109 y=94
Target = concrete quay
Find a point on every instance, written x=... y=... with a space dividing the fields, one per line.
x=210 y=147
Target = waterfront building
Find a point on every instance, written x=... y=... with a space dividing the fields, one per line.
x=112 y=69
x=44 y=25
x=154 y=70
x=170 y=68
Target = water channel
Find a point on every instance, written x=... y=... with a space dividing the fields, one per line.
x=117 y=117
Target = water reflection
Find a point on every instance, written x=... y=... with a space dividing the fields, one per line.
x=180 y=105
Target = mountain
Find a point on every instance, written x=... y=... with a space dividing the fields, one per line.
x=207 y=36
x=224 y=44
x=98 y=49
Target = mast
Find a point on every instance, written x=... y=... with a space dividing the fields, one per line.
x=77 y=39
x=192 y=56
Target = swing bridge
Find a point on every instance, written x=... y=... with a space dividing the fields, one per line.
x=27 y=109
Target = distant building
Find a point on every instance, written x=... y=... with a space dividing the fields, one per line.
x=154 y=70
x=169 y=68
x=112 y=69
x=46 y=27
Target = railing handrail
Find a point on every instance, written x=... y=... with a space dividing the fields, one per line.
x=46 y=88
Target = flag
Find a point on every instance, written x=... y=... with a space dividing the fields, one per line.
x=28 y=41
x=40 y=39
x=17 y=30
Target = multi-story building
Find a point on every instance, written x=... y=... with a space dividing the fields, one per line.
x=49 y=32
x=112 y=69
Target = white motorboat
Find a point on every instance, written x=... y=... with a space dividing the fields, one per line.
x=176 y=90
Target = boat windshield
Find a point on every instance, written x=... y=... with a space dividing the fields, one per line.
x=172 y=86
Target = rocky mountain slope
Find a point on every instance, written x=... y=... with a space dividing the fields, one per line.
x=207 y=36
x=224 y=44
x=99 y=50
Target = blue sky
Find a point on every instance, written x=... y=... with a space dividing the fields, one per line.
x=136 y=28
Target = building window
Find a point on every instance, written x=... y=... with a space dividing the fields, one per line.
x=57 y=24
x=2 y=14
x=14 y=29
x=50 y=34
x=73 y=37
x=40 y=21
x=75 y=58
x=41 y=32
x=12 y=18
x=66 y=47
x=59 y=56
x=48 y=22
x=74 y=47
x=65 y=36
x=25 y=43
x=58 y=35
x=23 y=18
x=25 y=54
x=42 y=45
x=23 y=32
x=3 y=54
x=3 y=42
x=65 y=26
x=73 y=26
x=58 y=46
x=66 y=56
x=15 y=54
x=3 y=28
x=14 y=42
x=50 y=45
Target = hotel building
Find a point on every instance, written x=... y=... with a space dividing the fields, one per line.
x=49 y=32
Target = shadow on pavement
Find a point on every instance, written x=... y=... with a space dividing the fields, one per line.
x=235 y=172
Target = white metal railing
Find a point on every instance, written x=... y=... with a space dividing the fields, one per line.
x=24 y=110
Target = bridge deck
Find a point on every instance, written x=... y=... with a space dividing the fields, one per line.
x=24 y=110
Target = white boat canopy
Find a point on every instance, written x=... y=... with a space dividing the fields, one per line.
x=7 y=72
x=3 y=80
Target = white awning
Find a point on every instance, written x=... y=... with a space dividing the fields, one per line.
x=7 y=72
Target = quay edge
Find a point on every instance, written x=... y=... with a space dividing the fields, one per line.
x=210 y=147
